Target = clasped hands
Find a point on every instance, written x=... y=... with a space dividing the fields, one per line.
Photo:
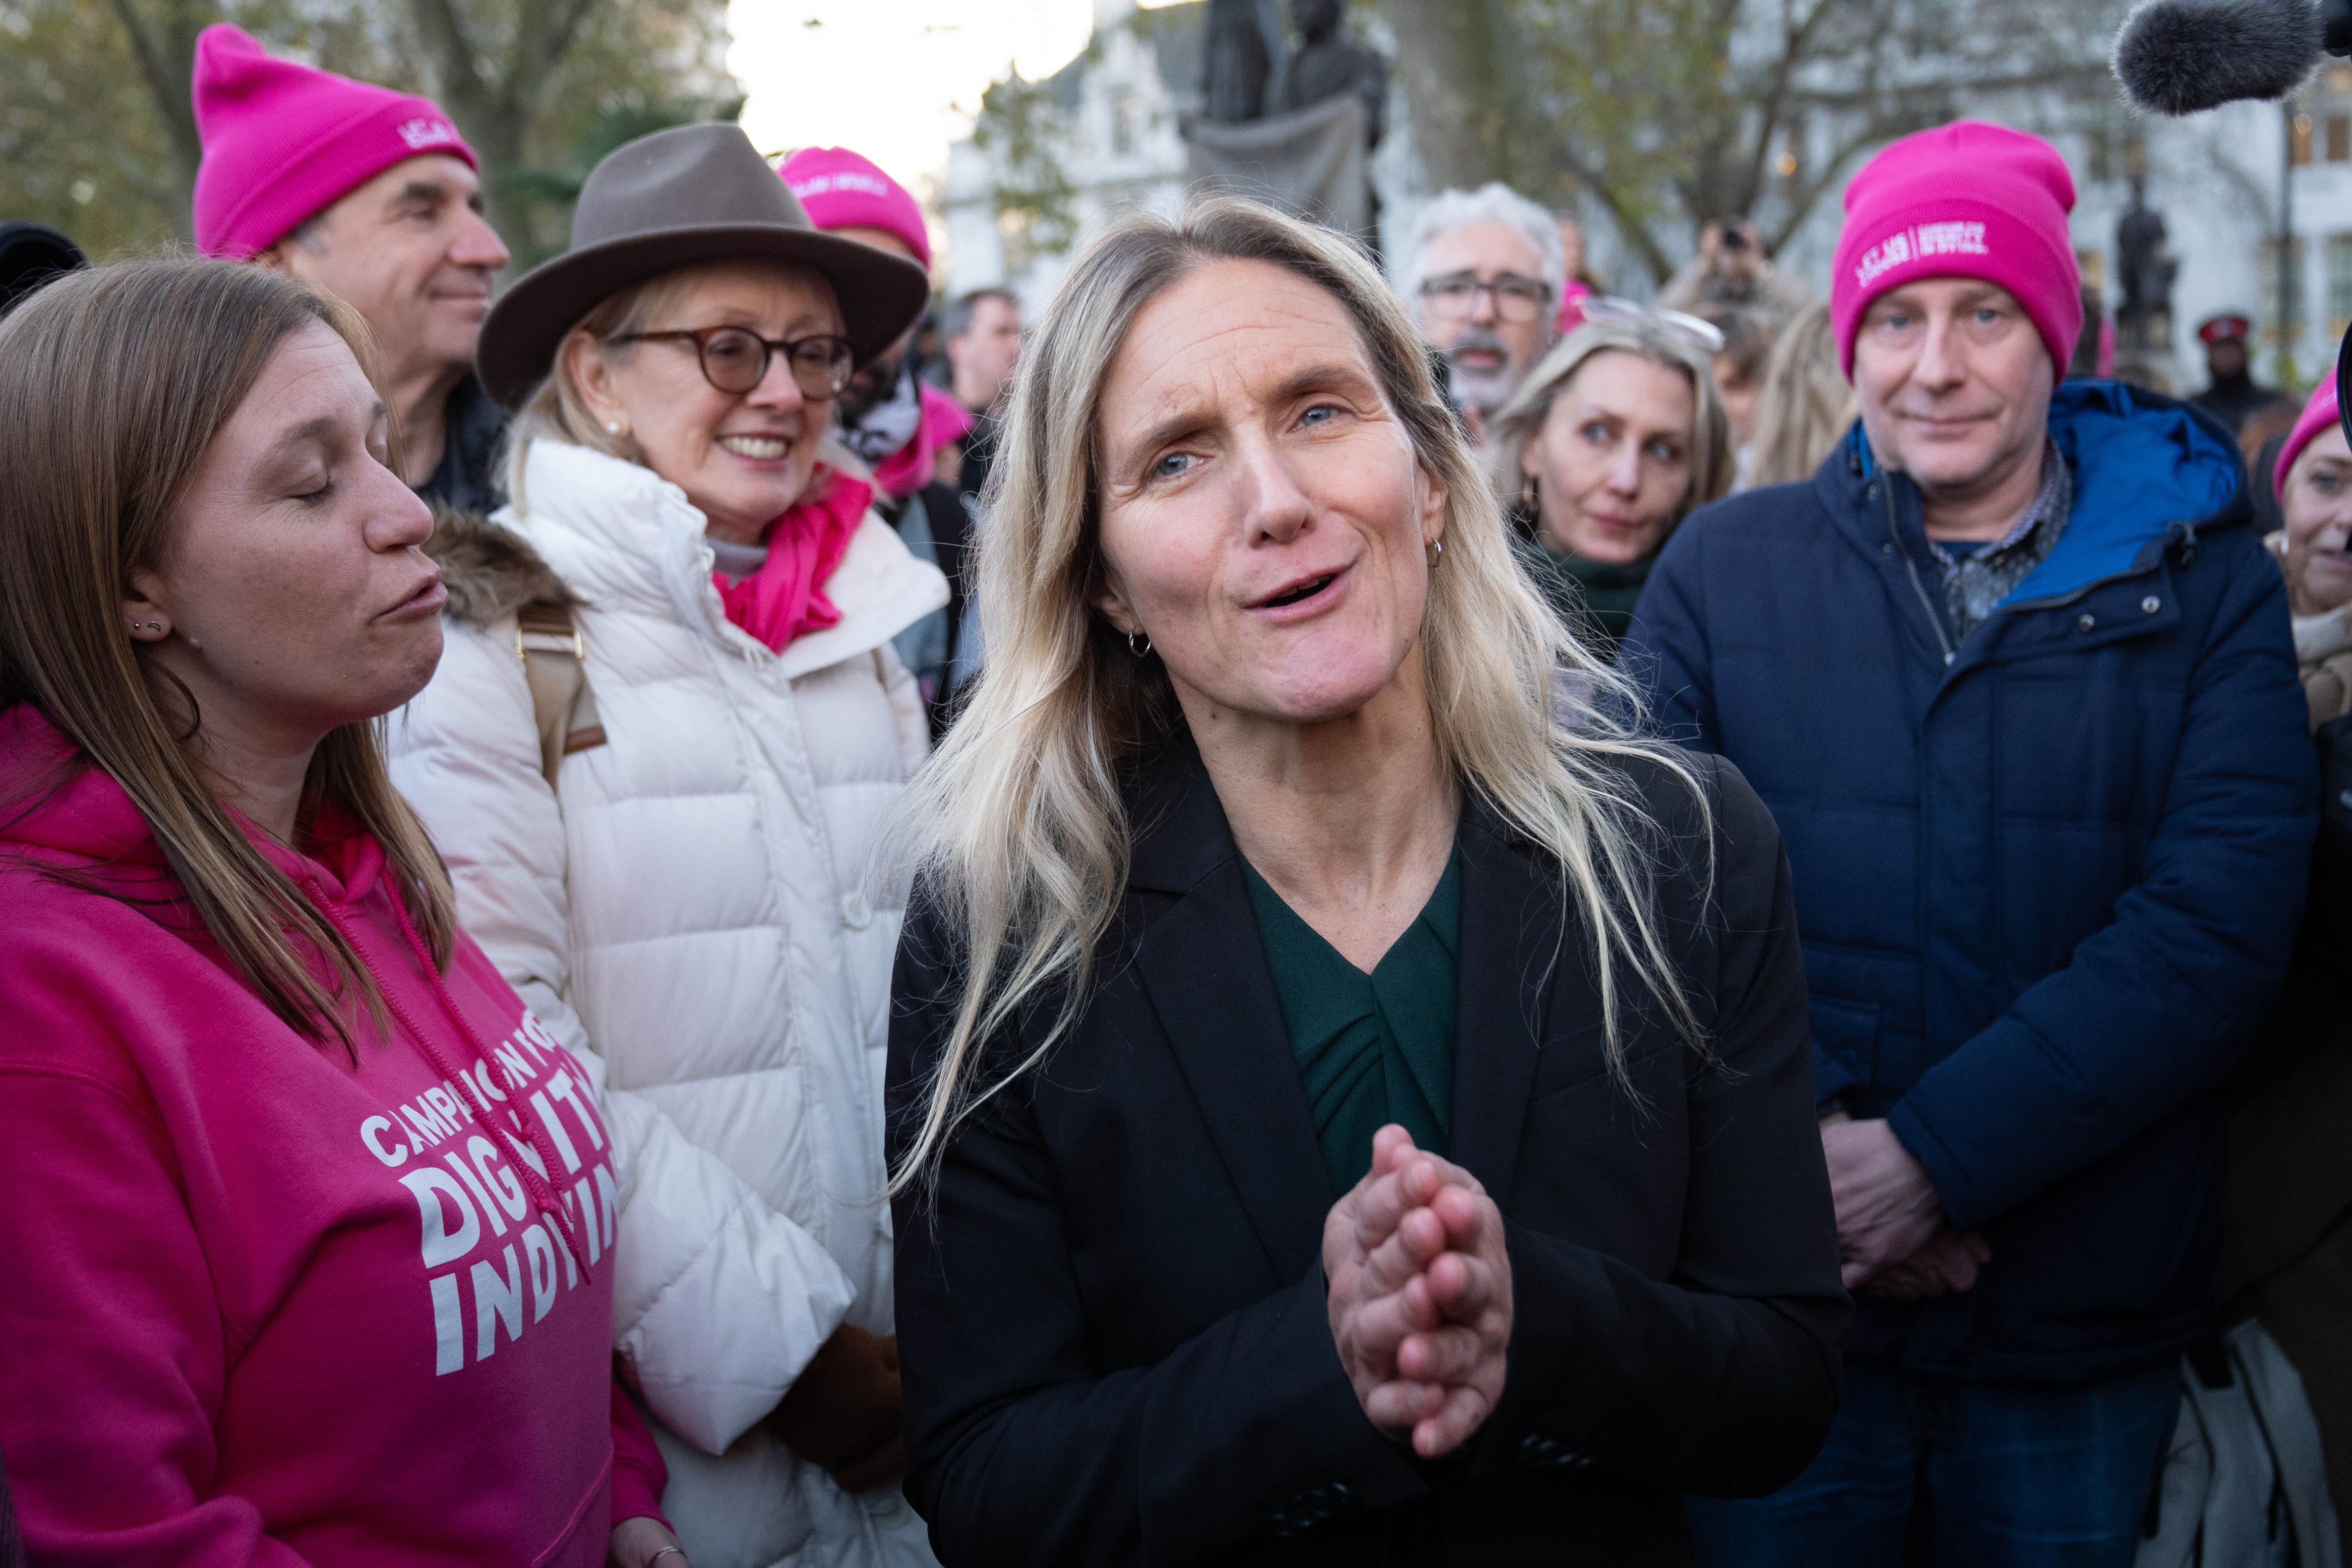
x=1420 y=1295
x=1892 y=1236
x=843 y=1412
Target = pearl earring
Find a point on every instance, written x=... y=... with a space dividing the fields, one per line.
x=613 y=426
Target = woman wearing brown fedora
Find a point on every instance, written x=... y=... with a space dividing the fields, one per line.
x=670 y=859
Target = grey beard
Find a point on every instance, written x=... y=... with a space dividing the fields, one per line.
x=1484 y=390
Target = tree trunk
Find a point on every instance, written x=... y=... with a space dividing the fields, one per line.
x=484 y=114
x=163 y=47
x=497 y=140
x=1458 y=84
x=494 y=110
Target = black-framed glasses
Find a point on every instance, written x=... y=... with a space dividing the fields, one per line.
x=1517 y=299
x=736 y=359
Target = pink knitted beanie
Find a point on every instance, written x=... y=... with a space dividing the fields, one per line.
x=1963 y=200
x=2319 y=414
x=284 y=140
x=839 y=189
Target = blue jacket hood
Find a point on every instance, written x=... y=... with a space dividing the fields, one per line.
x=2147 y=470
x=2047 y=874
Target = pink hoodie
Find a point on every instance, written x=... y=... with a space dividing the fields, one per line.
x=264 y=1306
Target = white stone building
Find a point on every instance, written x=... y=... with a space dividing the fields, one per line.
x=1119 y=103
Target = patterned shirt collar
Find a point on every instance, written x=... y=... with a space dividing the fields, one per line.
x=1975 y=582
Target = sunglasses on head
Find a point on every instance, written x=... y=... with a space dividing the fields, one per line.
x=1704 y=334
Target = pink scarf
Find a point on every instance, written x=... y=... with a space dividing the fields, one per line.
x=908 y=468
x=785 y=597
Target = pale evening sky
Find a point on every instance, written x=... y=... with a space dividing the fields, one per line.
x=895 y=79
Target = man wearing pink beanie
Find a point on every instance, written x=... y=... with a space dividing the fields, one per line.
x=372 y=196
x=2014 y=676
x=902 y=426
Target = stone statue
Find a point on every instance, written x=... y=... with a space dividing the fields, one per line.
x=1292 y=130
x=1244 y=50
x=1329 y=63
x=2146 y=270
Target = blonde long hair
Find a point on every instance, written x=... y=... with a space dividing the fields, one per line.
x=1517 y=422
x=1016 y=826
x=1806 y=403
x=113 y=384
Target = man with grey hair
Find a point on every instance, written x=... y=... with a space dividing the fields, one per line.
x=1483 y=271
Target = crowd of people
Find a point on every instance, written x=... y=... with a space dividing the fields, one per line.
x=689 y=914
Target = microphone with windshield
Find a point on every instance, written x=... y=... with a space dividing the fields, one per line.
x=2180 y=57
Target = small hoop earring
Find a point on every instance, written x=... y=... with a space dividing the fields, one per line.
x=1436 y=552
x=1138 y=644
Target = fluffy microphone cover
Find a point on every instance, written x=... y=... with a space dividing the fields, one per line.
x=2178 y=57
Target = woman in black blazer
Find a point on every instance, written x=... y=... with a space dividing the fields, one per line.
x=1285 y=812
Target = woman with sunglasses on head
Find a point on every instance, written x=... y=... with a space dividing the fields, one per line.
x=671 y=865
x=1609 y=444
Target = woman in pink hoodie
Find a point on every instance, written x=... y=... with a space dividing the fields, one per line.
x=306 y=1218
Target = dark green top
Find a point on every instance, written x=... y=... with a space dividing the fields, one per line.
x=1371 y=1048
x=1591 y=595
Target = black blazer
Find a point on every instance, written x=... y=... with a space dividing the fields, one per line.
x=1111 y=1307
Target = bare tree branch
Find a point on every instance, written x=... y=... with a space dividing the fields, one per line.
x=1832 y=169
x=536 y=68
x=457 y=69
x=2095 y=75
x=1629 y=225
x=1669 y=113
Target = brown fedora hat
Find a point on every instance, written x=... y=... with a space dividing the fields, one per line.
x=690 y=193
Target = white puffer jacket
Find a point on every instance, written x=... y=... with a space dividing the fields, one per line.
x=700 y=910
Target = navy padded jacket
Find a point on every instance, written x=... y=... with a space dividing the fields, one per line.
x=2047 y=875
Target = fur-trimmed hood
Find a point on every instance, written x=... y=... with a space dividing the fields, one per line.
x=490 y=572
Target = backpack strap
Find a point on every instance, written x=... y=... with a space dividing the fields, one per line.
x=555 y=665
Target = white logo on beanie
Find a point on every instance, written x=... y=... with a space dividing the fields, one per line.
x=844 y=180
x=428 y=133
x=1918 y=243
